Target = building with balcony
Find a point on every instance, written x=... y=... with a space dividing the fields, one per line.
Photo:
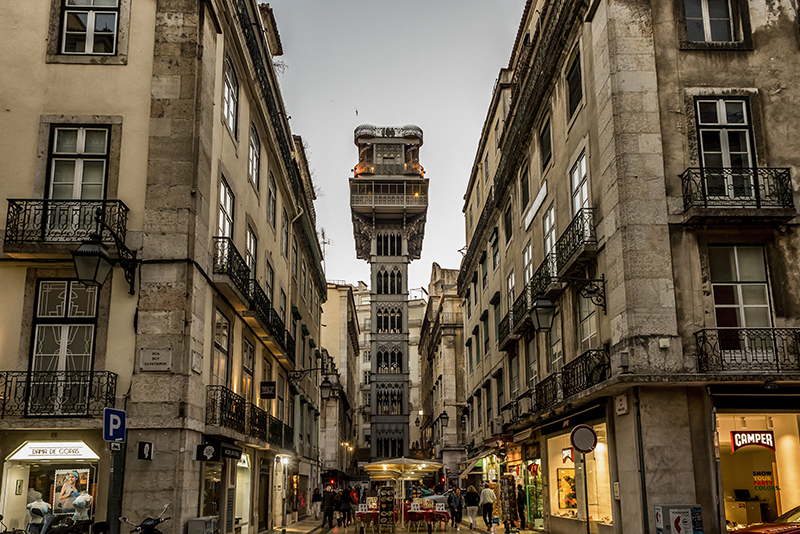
x=631 y=264
x=177 y=164
x=442 y=417
x=340 y=341
x=388 y=202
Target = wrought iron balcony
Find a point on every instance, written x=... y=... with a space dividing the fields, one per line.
x=364 y=167
x=587 y=370
x=231 y=272
x=226 y=409
x=288 y=437
x=278 y=330
x=548 y=392
x=504 y=328
x=545 y=276
x=258 y=422
x=579 y=235
x=389 y=200
x=275 y=432
x=290 y=348
x=748 y=350
x=260 y=309
x=62 y=221
x=759 y=188
x=56 y=393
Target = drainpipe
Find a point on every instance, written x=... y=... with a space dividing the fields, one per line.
x=640 y=447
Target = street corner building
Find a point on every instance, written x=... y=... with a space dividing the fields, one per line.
x=152 y=152
x=631 y=265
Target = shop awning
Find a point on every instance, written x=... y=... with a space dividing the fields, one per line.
x=519 y=437
x=472 y=462
x=54 y=450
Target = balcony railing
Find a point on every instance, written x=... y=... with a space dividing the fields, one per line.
x=259 y=303
x=56 y=393
x=737 y=188
x=226 y=409
x=388 y=200
x=544 y=275
x=275 y=432
x=388 y=168
x=278 y=327
x=548 y=392
x=228 y=261
x=258 y=423
x=290 y=348
x=288 y=437
x=587 y=370
x=504 y=328
x=580 y=232
x=62 y=221
x=747 y=350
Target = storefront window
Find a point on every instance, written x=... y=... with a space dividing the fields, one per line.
x=243 y=493
x=569 y=488
x=759 y=460
x=212 y=486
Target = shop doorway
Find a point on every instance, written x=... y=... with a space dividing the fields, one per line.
x=759 y=458
x=243 y=492
x=263 y=496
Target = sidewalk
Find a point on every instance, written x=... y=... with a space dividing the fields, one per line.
x=314 y=526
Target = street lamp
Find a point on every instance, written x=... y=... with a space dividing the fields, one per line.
x=92 y=261
x=444 y=418
x=325 y=388
x=543 y=313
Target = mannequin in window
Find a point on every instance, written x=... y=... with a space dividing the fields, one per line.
x=35 y=524
x=82 y=504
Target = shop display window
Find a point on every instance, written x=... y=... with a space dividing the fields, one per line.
x=212 y=487
x=569 y=490
x=759 y=458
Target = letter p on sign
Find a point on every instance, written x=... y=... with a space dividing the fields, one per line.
x=114 y=425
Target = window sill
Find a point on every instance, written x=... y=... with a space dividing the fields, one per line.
x=745 y=45
x=86 y=59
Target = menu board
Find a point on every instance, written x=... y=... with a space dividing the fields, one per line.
x=386 y=506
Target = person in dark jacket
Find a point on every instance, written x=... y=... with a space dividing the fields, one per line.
x=327 y=507
x=521 y=506
x=456 y=504
x=316 y=502
x=346 y=507
x=471 y=499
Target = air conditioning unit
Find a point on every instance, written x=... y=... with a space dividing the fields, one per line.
x=508 y=416
x=524 y=406
x=497 y=426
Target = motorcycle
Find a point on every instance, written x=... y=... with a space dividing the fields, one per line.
x=148 y=525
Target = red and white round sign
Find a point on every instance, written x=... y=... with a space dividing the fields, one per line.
x=583 y=438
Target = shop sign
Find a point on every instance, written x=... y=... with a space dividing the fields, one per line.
x=761 y=438
x=514 y=454
x=155 y=359
x=763 y=481
x=267 y=390
x=216 y=451
x=145 y=450
x=533 y=451
x=54 y=450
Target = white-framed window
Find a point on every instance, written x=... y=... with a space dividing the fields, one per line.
x=510 y=291
x=230 y=96
x=254 y=157
x=64 y=325
x=251 y=251
x=524 y=187
x=709 y=20
x=266 y=375
x=486 y=172
x=79 y=162
x=248 y=359
x=220 y=363
x=272 y=200
x=269 y=279
x=533 y=362
x=579 y=185
x=556 y=356
x=497 y=135
x=294 y=257
x=282 y=308
x=225 y=223
x=545 y=142
x=549 y=229
x=587 y=324
x=740 y=287
x=303 y=279
x=574 y=84
x=725 y=137
x=281 y=387
x=285 y=234
x=508 y=220
x=90 y=27
x=478 y=193
x=527 y=264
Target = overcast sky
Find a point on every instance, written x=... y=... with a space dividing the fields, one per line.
x=432 y=63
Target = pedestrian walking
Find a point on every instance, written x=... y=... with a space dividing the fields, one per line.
x=346 y=507
x=456 y=504
x=327 y=507
x=337 y=506
x=316 y=502
x=471 y=499
x=487 y=502
x=521 y=506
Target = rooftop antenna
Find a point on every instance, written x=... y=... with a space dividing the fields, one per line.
x=324 y=241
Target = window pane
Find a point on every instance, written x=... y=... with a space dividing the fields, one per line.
x=93 y=173
x=721 y=30
x=52 y=298
x=737 y=141
x=725 y=295
x=708 y=112
x=79 y=2
x=66 y=141
x=734 y=112
x=82 y=302
x=695 y=31
x=721 y=263
x=727 y=317
x=754 y=294
x=105 y=22
x=80 y=339
x=75 y=43
x=757 y=317
x=47 y=348
x=105 y=3
x=694 y=9
x=95 y=142
x=718 y=9
x=711 y=141
x=77 y=22
x=64 y=173
x=751 y=264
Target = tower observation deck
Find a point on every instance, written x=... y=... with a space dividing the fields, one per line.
x=389 y=204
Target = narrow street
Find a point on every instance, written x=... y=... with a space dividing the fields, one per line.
x=313 y=526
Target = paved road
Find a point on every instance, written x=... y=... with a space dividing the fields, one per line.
x=313 y=526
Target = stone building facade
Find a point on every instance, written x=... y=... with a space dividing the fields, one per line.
x=388 y=202
x=631 y=264
x=164 y=119
x=442 y=419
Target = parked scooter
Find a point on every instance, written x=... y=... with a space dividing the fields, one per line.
x=148 y=526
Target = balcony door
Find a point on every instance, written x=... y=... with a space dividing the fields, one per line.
x=78 y=169
x=741 y=305
x=724 y=133
x=63 y=348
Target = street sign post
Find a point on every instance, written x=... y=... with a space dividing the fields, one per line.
x=584 y=440
x=114 y=425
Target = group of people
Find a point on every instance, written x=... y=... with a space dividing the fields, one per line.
x=342 y=502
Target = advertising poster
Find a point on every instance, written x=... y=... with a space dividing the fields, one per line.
x=69 y=483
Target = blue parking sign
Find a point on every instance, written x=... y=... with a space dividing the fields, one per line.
x=114 y=425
